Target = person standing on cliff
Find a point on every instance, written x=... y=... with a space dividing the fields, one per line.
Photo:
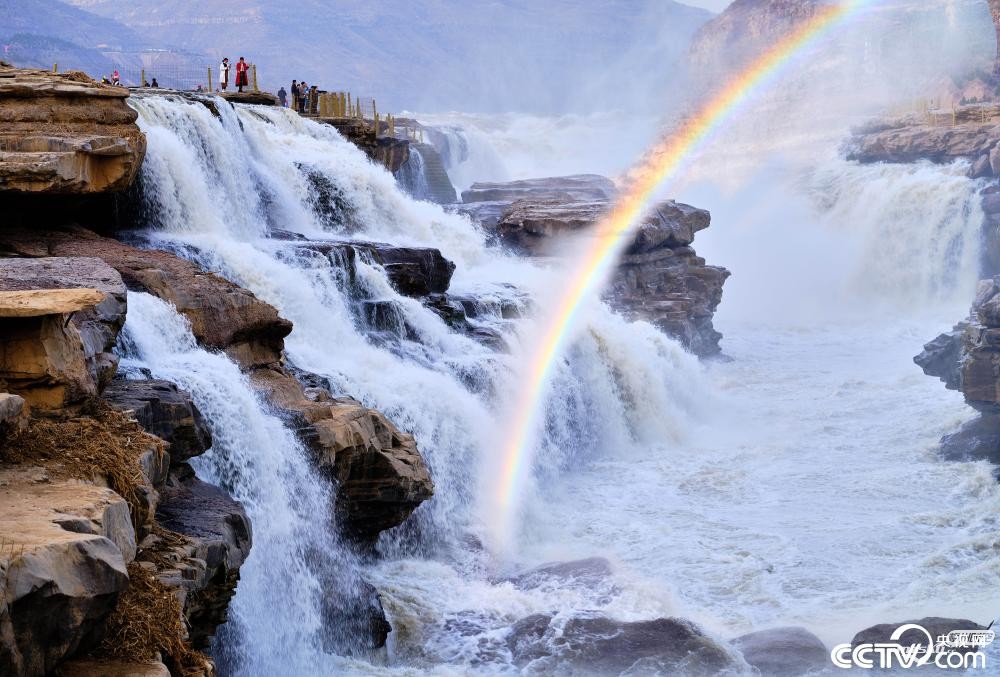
x=303 y=90
x=241 y=74
x=282 y=96
x=115 y=79
x=224 y=74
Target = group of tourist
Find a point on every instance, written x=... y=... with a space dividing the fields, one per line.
x=301 y=96
x=116 y=80
x=242 y=70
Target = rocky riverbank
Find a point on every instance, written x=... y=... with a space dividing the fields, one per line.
x=114 y=555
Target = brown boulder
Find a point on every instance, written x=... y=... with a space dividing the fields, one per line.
x=381 y=476
x=223 y=315
x=62 y=567
x=65 y=134
x=60 y=319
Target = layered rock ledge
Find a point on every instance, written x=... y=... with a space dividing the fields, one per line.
x=65 y=134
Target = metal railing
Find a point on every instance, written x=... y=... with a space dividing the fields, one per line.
x=316 y=103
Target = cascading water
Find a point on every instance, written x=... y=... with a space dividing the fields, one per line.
x=412 y=176
x=281 y=622
x=681 y=474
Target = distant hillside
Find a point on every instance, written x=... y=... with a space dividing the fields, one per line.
x=524 y=55
x=39 y=33
x=895 y=40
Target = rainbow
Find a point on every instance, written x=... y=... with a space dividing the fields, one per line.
x=587 y=274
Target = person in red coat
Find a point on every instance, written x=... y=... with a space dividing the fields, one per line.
x=241 y=74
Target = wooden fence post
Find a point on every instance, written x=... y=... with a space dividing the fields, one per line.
x=254 y=69
x=55 y=68
x=210 y=79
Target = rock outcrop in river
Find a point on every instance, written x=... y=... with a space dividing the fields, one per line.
x=660 y=278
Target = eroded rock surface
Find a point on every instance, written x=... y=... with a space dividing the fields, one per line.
x=413 y=271
x=62 y=567
x=203 y=564
x=223 y=315
x=65 y=134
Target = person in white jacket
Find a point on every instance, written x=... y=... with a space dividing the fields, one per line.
x=224 y=74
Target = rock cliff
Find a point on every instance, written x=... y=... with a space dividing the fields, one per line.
x=660 y=278
x=967 y=359
x=743 y=30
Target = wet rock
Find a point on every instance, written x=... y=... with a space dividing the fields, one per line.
x=389 y=152
x=381 y=476
x=660 y=277
x=204 y=563
x=459 y=313
x=934 y=625
x=529 y=225
x=62 y=568
x=223 y=315
x=578 y=187
x=783 y=652
x=61 y=317
x=942 y=356
x=600 y=645
x=162 y=409
x=589 y=572
x=256 y=98
x=413 y=271
x=65 y=134
x=975 y=440
x=981 y=167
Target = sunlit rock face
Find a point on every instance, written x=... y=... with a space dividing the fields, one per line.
x=61 y=317
x=65 y=134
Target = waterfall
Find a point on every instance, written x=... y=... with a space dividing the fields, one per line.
x=219 y=186
x=412 y=176
x=279 y=624
x=678 y=472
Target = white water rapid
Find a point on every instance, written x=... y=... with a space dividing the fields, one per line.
x=795 y=484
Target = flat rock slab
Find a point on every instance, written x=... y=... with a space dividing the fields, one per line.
x=39 y=302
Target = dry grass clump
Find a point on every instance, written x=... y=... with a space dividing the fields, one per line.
x=147 y=622
x=105 y=444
